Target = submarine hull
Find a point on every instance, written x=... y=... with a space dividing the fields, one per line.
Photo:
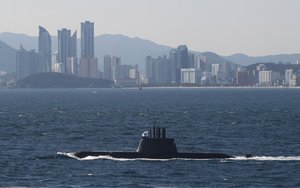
x=137 y=155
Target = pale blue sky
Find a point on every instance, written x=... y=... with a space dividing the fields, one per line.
x=254 y=27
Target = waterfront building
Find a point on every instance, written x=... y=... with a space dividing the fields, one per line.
x=122 y=75
x=189 y=76
x=115 y=68
x=88 y=62
x=294 y=81
x=200 y=63
x=205 y=81
x=134 y=73
x=242 y=77
x=72 y=66
x=179 y=59
x=87 y=40
x=149 y=70
x=268 y=78
x=288 y=76
x=27 y=63
x=63 y=37
x=67 y=50
x=215 y=69
x=158 y=70
x=44 y=50
x=107 y=68
x=191 y=59
x=163 y=69
x=89 y=68
x=58 y=67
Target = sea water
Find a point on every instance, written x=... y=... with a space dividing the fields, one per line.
x=41 y=129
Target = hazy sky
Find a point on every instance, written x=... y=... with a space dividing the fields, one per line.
x=254 y=27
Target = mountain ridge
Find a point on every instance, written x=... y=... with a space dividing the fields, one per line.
x=245 y=60
x=132 y=50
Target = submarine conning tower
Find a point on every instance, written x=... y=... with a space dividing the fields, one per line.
x=155 y=142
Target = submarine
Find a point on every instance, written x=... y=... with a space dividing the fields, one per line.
x=155 y=145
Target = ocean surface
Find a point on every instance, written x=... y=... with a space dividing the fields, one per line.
x=40 y=130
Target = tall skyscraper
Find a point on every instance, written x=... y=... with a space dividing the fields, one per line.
x=87 y=40
x=158 y=70
x=200 y=63
x=63 y=36
x=27 y=63
x=88 y=62
x=288 y=76
x=116 y=68
x=72 y=62
x=73 y=45
x=179 y=59
x=67 y=50
x=107 y=71
x=44 y=49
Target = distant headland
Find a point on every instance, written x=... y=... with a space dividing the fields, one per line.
x=59 y=80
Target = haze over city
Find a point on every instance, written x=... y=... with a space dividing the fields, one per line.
x=253 y=27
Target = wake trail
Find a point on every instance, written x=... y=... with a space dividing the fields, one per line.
x=268 y=158
x=236 y=158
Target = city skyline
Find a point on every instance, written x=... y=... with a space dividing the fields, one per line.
x=250 y=27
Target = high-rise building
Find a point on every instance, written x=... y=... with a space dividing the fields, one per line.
x=179 y=59
x=268 y=78
x=173 y=64
x=189 y=76
x=149 y=75
x=27 y=63
x=158 y=70
x=215 y=69
x=200 y=63
x=115 y=68
x=67 y=51
x=63 y=37
x=88 y=62
x=107 y=71
x=288 y=76
x=72 y=66
x=44 y=49
x=87 y=40
x=242 y=77
x=73 y=45
x=191 y=58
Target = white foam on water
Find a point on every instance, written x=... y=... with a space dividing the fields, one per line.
x=237 y=158
x=71 y=155
x=268 y=158
x=107 y=157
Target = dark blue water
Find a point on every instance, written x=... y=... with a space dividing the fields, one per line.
x=37 y=124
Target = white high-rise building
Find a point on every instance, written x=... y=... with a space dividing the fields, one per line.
x=215 y=69
x=189 y=76
x=268 y=78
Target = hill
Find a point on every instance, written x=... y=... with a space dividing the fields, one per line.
x=131 y=50
x=58 y=80
x=245 y=60
x=276 y=67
